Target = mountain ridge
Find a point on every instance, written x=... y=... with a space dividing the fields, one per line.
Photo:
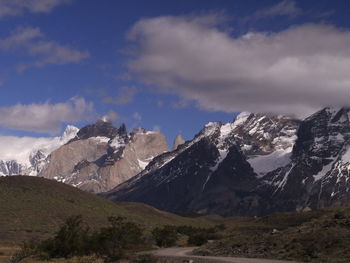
x=279 y=163
x=102 y=156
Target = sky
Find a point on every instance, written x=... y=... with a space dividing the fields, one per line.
x=168 y=65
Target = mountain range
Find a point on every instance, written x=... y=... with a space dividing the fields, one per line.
x=26 y=155
x=95 y=158
x=255 y=165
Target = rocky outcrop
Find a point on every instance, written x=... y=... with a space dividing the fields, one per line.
x=317 y=175
x=11 y=167
x=260 y=134
x=178 y=141
x=102 y=156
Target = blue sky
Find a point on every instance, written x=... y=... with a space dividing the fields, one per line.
x=71 y=61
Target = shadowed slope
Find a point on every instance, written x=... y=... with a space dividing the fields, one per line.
x=35 y=207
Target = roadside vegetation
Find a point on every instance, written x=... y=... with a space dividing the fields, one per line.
x=115 y=243
x=321 y=236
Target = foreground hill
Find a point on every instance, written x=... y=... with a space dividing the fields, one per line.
x=36 y=207
x=314 y=236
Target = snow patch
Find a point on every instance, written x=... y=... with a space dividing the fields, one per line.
x=246 y=147
x=240 y=119
x=263 y=164
x=117 y=142
x=222 y=156
x=226 y=129
x=151 y=132
x=209 y=129
x=346 y=156
x=324 y=171
x=142 y=164
x=101 y=139
x=283 y=142
x=339 y=138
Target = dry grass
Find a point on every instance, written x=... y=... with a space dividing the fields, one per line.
x=32 y=207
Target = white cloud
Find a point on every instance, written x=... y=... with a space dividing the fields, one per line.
x=111 y=116
x=156 y=128
x=18 y=7
x=33 y=43
x=295 y=71
x=137 y=116
x=124 y=96
x=283 y=8
x=46 y=117
x=21 y=148
x=20 y=37
x=181 y=104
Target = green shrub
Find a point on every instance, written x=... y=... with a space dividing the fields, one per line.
x=166 y=236
x=197 y=239
x=74 y=239
x=71 y=240
x=112 y=242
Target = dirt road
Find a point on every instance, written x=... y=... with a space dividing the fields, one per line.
x=185 y=253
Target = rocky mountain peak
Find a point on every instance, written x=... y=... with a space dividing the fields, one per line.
x=178 y=141
x=102 y=156
x=101 y=128
x=69 y=133
x=212 y=173
x=263 y=134
x=323 y=134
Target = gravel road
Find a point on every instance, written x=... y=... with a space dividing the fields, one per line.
x=185 y=253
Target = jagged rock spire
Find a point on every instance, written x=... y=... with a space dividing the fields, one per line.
x=178 y=141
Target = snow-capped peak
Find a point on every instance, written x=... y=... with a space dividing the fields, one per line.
x=69 y=133
x=241 y=118
x=26 y=150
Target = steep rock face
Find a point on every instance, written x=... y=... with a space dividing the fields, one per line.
x=178 y=141
x=102 y=156
x=11 y=167
x=101 y=129
x=318 y=175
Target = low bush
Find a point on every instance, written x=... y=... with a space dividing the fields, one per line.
x=72 y=239
x=75 y=239
x=168 y=235
x=165 y=236
x=112 y=242
x=198 y=239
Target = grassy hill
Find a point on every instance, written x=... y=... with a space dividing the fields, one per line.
x=35 y=207
x=314 y=236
